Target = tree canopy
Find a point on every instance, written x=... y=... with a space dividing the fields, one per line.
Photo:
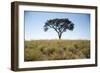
x=60 y=25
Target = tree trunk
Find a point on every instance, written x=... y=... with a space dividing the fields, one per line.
x=59 y=35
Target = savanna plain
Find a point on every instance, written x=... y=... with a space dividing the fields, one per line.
x=42 y=50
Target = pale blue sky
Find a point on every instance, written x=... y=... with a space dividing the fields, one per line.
x=34 y=22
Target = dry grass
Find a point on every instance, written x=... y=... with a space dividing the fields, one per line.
x=40 y=50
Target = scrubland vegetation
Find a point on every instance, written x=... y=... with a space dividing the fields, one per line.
x=40 y=50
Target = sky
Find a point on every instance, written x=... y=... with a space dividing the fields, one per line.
x=35 y=20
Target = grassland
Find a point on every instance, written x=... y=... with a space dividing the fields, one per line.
x=40 y=50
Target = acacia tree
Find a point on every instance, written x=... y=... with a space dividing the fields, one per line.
x=59 y=25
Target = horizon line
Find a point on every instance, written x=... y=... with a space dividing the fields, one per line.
x=55 y=39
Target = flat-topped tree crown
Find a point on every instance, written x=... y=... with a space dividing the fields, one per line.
x=60 y=25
